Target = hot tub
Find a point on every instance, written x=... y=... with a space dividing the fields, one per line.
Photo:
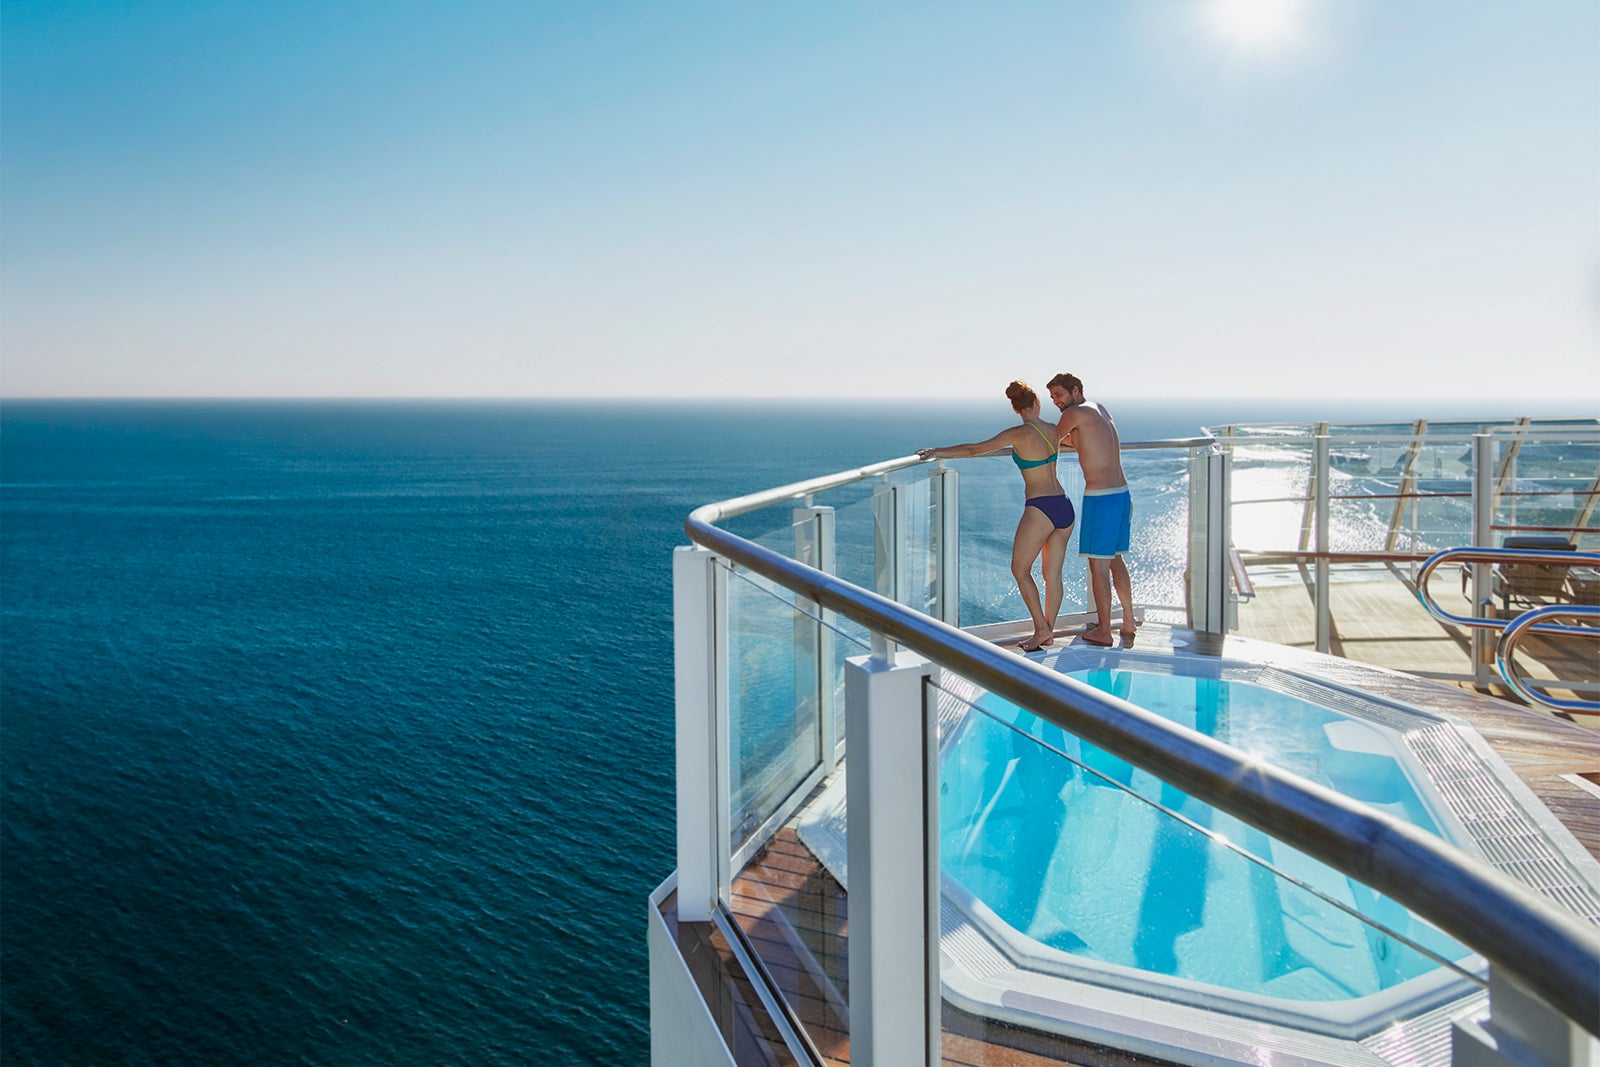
x=1086 y=896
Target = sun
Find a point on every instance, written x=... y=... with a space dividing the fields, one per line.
x=1258 y=26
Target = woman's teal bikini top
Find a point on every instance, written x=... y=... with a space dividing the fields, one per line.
x=1025 y=464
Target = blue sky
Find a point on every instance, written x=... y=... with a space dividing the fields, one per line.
x=1168 y=197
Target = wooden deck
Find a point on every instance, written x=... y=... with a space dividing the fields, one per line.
x=1380 y=622
x=795 y=915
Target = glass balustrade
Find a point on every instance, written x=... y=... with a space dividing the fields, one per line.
x=1350 y=525
x=1063 y=868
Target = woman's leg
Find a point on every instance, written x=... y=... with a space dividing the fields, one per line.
x=1055 y=557
x=1033 y=530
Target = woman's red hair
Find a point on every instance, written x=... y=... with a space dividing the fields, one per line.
x=1021 y=395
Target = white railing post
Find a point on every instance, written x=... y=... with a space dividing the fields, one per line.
x=891 y=778
x=1324 y=606
x=1520 y=1030
x=1208 y=539
x=813 y=644
x=699 y=642
x=944 y=485
x=887 y=577
x=1483 y=641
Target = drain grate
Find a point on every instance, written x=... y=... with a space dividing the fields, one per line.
x=1507 y=834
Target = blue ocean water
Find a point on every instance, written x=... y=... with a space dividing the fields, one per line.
x=341 y=733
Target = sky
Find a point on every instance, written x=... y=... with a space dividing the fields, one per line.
x=476 y=198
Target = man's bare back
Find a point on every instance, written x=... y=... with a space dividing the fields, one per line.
x=1086 y=427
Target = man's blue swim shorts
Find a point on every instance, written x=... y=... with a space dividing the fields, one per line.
x=1107 y=519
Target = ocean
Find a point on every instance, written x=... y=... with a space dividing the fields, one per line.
x=341 y=733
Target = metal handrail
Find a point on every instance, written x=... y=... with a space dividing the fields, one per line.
x=1525 y=623
x=1499 y=555
x=1534 y=435
x=1548 y=950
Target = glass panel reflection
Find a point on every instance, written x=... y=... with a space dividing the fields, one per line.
x=773 y=726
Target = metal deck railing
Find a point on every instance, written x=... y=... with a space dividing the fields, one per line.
x=1539 y=620
x=1530 y=943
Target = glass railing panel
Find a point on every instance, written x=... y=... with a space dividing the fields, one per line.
x=771 y=528
x=1158 y=479
x=1359 y=515
x=1548 y=488
x=1399 y=494
x=1548 y=499
x=902 y=566
x=992 y=501
x=854 y=532
x=1390 y=497
x=1269 y=523
x=794 y=915
x=774 y=735
x=1078 y=889
x=1436 y=511
x=1271 y=482
x=919 y=567
x=854 y=562
x=787 y=818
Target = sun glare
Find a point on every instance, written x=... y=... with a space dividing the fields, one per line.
x=1258 y=26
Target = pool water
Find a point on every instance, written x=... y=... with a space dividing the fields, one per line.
x=1070 y=861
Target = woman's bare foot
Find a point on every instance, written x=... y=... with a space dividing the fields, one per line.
x=1037 y=641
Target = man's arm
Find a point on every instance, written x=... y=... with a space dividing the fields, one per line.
x=1066 y=431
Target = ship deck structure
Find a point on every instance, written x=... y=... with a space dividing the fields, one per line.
x=836 y=638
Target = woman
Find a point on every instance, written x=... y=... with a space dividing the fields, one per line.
x=1047 y=515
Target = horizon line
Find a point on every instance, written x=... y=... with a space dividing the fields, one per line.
x=1187 y=398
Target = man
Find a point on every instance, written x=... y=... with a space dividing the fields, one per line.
x=1104 y=526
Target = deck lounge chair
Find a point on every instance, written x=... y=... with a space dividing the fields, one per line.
x=1533 y=584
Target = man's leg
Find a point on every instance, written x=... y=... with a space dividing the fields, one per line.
x=1124 y=584
x=1100 y=584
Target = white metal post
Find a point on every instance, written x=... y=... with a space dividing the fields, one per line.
x=886 y=555
x=945 y=487
x=1520 y=1030
x=1208 y=539
x=701 y=762
x=1324 y=607
x=1483 y=641
x=893 y=853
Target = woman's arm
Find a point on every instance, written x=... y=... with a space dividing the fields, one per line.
x=1003 y=439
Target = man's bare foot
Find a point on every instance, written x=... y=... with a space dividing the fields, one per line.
x=1129 y=628
x=1098 y=636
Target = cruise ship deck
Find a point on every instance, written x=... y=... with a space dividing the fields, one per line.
x=1378 y=622
x=753 y=960
x=786 y=893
